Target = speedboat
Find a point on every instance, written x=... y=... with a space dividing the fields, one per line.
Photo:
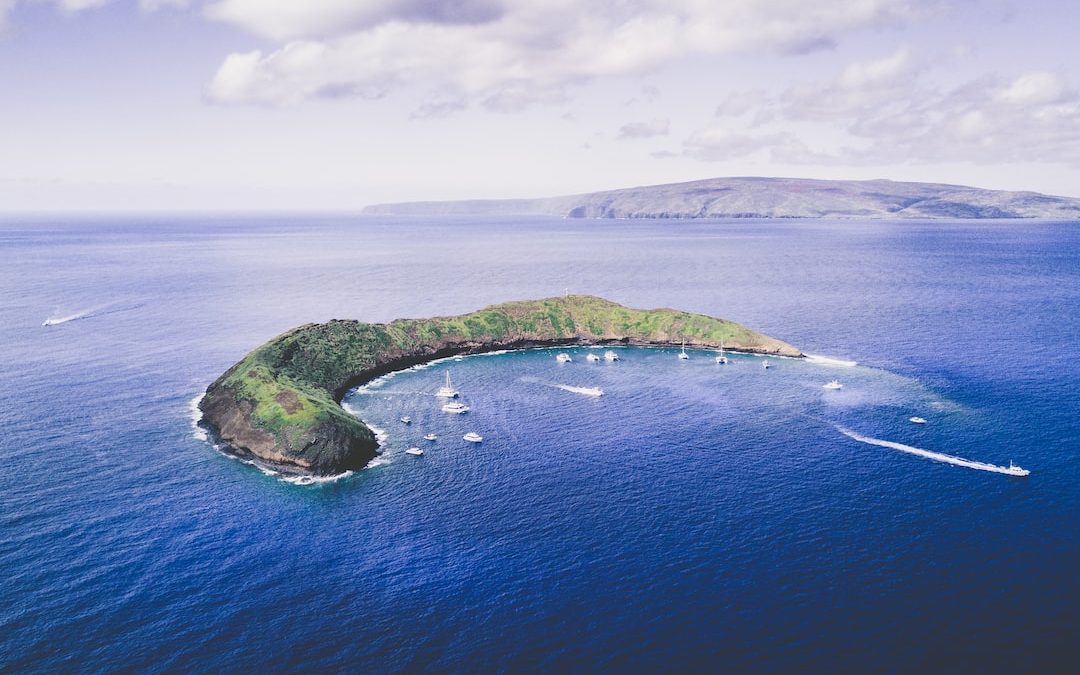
x=430 y=437
x=563 y=357
x=447 y=390
x=683 y=355
x=916 y=420
x=456 y=408
x=473 y=437
x=835 y=384
x=592 y=358
x=611 y=356
x=1014 y=470
x=414 y=451
x=406 y=420
x=765 y=365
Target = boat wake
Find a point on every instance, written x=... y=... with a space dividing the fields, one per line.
x=936 y=456
x=829 y=361
x=100 y=310
x=586 y=391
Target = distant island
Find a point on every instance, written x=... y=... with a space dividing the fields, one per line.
x=280 y=405
x=765 y=198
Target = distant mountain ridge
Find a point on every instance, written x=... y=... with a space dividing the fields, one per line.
x=750 y=197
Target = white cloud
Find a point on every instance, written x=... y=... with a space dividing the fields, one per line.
x=495 y=50
x=891 y=110
x=1033 y=88
x=650 y=129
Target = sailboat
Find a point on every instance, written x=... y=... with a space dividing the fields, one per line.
x=447 y=390
x=720 y=358
x=683 y=355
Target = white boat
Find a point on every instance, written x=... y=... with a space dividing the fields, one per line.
x=1014 y=470
x=916 y=420
x=563 y=357
x=611 y=356
x=592 y=358
x=430 y=437
x=51 y=322
x=765 y=365
x=447 y=390
x=720 y=358
x=835 y=384
x=683 y=355
x=456 y=408
x=473 y=437
x=414 y=451
x=406 y=420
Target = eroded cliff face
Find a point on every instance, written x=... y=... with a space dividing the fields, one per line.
x=280 y=404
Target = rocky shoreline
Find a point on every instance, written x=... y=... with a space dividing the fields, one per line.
x=280 y=405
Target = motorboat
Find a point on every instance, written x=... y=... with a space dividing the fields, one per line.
x=473 y=437
x=835 y=384
x=456 y=408
x=414 y=451
x=447 y=390
x=916 y=420
x=683 y=355
x=1014 y=470
x=592 y=358
x=430 y=437
x=611 y=356
x=406 y=420
x=563 y=357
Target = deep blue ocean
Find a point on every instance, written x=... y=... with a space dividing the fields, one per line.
x=694 y=517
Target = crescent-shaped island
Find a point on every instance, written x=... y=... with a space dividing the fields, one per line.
x=280 y=405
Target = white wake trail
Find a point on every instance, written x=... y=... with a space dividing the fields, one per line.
x=936 y=456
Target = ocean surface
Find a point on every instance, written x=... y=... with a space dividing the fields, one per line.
x=695 y=517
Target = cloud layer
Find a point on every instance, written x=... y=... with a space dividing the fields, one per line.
x=892 y=110
x=526 y=51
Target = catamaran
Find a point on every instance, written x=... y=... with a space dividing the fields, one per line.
x=414 y=451
x=611 y=356
x=563 y=357
x=765 y=365
x=456 y=408
x=447 y=390
x=720 y=358
x=473 y=437
x=683 y=355
x=592 y=358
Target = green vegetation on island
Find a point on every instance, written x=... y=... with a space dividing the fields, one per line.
x=281 y=403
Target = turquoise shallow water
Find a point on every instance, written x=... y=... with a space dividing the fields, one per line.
x=694 y=516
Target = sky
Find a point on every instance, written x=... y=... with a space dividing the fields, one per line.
x=334 y=104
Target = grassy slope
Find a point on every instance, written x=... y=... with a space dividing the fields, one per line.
x=293 y=379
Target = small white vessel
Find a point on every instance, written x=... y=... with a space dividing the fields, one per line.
x=611 y=356
x=592 y=358
x=406 y=420
x=447 y=390
x=473 y=437
x=563 y=357
x=916 y=420
x=835 y=384
x=430 y=437
x=414 y=451
x=51 y=322
x=1014 y=470
x=683 y=355
x=588 y=391
x=720 y=358
x=456 y=408
x=765 y=365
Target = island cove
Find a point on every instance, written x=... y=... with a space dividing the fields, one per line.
x=280 y=405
